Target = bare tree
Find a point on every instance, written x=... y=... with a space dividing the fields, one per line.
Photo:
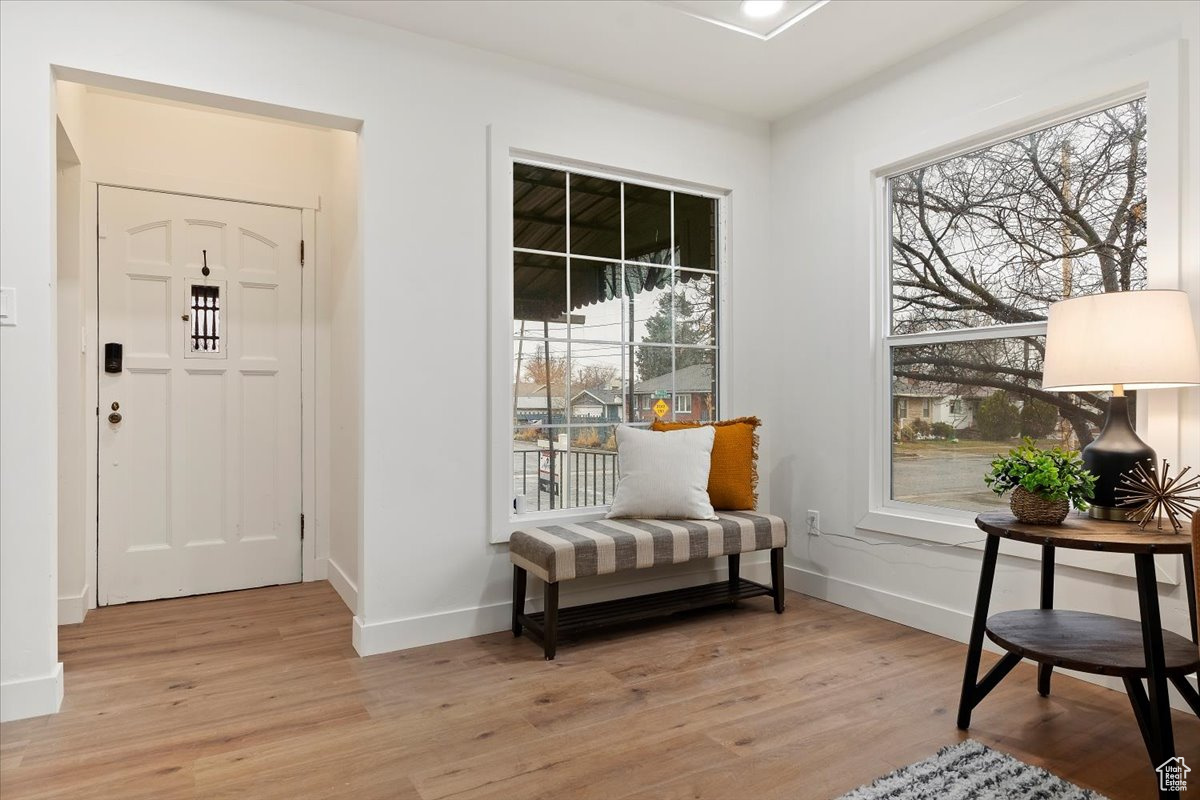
x=546 y=369
x=595 y=376
x=994 y=236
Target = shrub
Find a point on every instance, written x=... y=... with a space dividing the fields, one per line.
x=588 y=437
x=921 y=427
x=527 y=434
x=942 y=430
x=1037 y=418
x=998 y=418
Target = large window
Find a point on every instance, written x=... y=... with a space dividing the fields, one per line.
x=614 y=321
x=981 y=245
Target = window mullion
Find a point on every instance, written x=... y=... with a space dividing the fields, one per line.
x=671 y=304
x=564 y=469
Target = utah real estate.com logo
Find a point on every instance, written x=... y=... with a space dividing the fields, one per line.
x=1172 y=775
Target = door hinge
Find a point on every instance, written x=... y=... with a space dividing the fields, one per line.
x=302 y=527
x=302 y=252
x=97 y=411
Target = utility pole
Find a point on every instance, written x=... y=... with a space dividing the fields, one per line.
x=517 y=378
x=1066 y=240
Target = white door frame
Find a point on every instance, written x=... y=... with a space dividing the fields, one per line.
x=314 y=546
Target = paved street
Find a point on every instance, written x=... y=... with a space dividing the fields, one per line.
x=947 y=479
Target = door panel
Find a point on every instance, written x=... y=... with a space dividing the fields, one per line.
x=200 y=478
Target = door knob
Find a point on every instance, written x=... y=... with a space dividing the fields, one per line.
x=114 y=417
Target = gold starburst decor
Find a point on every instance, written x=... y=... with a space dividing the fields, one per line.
x=1154 y=493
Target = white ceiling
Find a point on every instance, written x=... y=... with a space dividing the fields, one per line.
x=662 y=46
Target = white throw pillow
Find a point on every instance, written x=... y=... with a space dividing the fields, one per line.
x=664 y=474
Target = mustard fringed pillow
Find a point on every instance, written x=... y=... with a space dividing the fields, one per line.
x=733 y=477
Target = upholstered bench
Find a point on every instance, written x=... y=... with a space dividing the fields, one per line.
x=557 y=553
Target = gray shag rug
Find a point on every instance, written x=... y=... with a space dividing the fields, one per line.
x=971 y=771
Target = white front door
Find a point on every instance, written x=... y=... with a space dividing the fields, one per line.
x=199 y=451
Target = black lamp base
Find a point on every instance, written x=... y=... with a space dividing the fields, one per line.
x=1113 y=453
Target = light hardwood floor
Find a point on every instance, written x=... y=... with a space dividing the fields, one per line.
x=258 y=694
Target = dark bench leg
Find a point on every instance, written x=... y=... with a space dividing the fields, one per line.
x=735 y=576
x=519 y=576
x=777 y=579
x=550 y=621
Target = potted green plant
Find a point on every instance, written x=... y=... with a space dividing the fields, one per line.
x=1044 y=482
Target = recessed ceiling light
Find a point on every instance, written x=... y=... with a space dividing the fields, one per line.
x=760 y=9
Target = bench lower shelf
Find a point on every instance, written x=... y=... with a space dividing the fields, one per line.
x=546 y=626
x=578 y=619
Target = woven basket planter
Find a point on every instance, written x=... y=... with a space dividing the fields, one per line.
x=1033 y=510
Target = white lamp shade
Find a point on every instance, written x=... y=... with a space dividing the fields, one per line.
x=1143 y=340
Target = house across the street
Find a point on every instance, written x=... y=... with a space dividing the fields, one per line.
x=687 y=392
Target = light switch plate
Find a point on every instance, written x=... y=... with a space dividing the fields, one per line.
x=8 y=305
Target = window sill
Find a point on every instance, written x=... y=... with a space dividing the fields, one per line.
x=956 y=529
x=923 y=523
x=503 y=530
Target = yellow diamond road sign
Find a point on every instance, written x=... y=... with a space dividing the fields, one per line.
x=661 y=408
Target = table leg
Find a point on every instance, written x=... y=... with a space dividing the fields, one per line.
x=1044 y=670
x=967 y=700
x=1189 y=575
x=1162 y=742
x=1190 y=695
x=1141 y=706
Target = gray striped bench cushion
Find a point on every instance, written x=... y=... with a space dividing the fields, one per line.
x=562 y=552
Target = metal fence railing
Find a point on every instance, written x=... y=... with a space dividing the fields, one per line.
x=581 y=478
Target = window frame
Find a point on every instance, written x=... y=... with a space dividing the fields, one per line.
x=678 y=408
x=502 y=153
x=221 y=319
x=1153 y=74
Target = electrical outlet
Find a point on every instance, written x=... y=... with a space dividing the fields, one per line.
x=814 y=522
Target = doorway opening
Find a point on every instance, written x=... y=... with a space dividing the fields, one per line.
x=208 y=297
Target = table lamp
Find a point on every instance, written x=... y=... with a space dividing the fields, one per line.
x=1117 y=341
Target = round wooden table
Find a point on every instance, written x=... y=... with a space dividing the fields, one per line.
x=1131 y=649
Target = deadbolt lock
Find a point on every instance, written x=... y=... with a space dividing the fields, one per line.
x=114 y=417
x=115 y=405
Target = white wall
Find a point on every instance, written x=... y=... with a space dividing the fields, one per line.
x=426 y=572
x=72 y=377
x=340 y=393
x=142 y=141
x=818 y=222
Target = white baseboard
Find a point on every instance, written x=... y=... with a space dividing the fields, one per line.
x=73 y=608
x=32 y=697
x=400 y=634
x=345 y=587
x=949 y=623
x=372 y=638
